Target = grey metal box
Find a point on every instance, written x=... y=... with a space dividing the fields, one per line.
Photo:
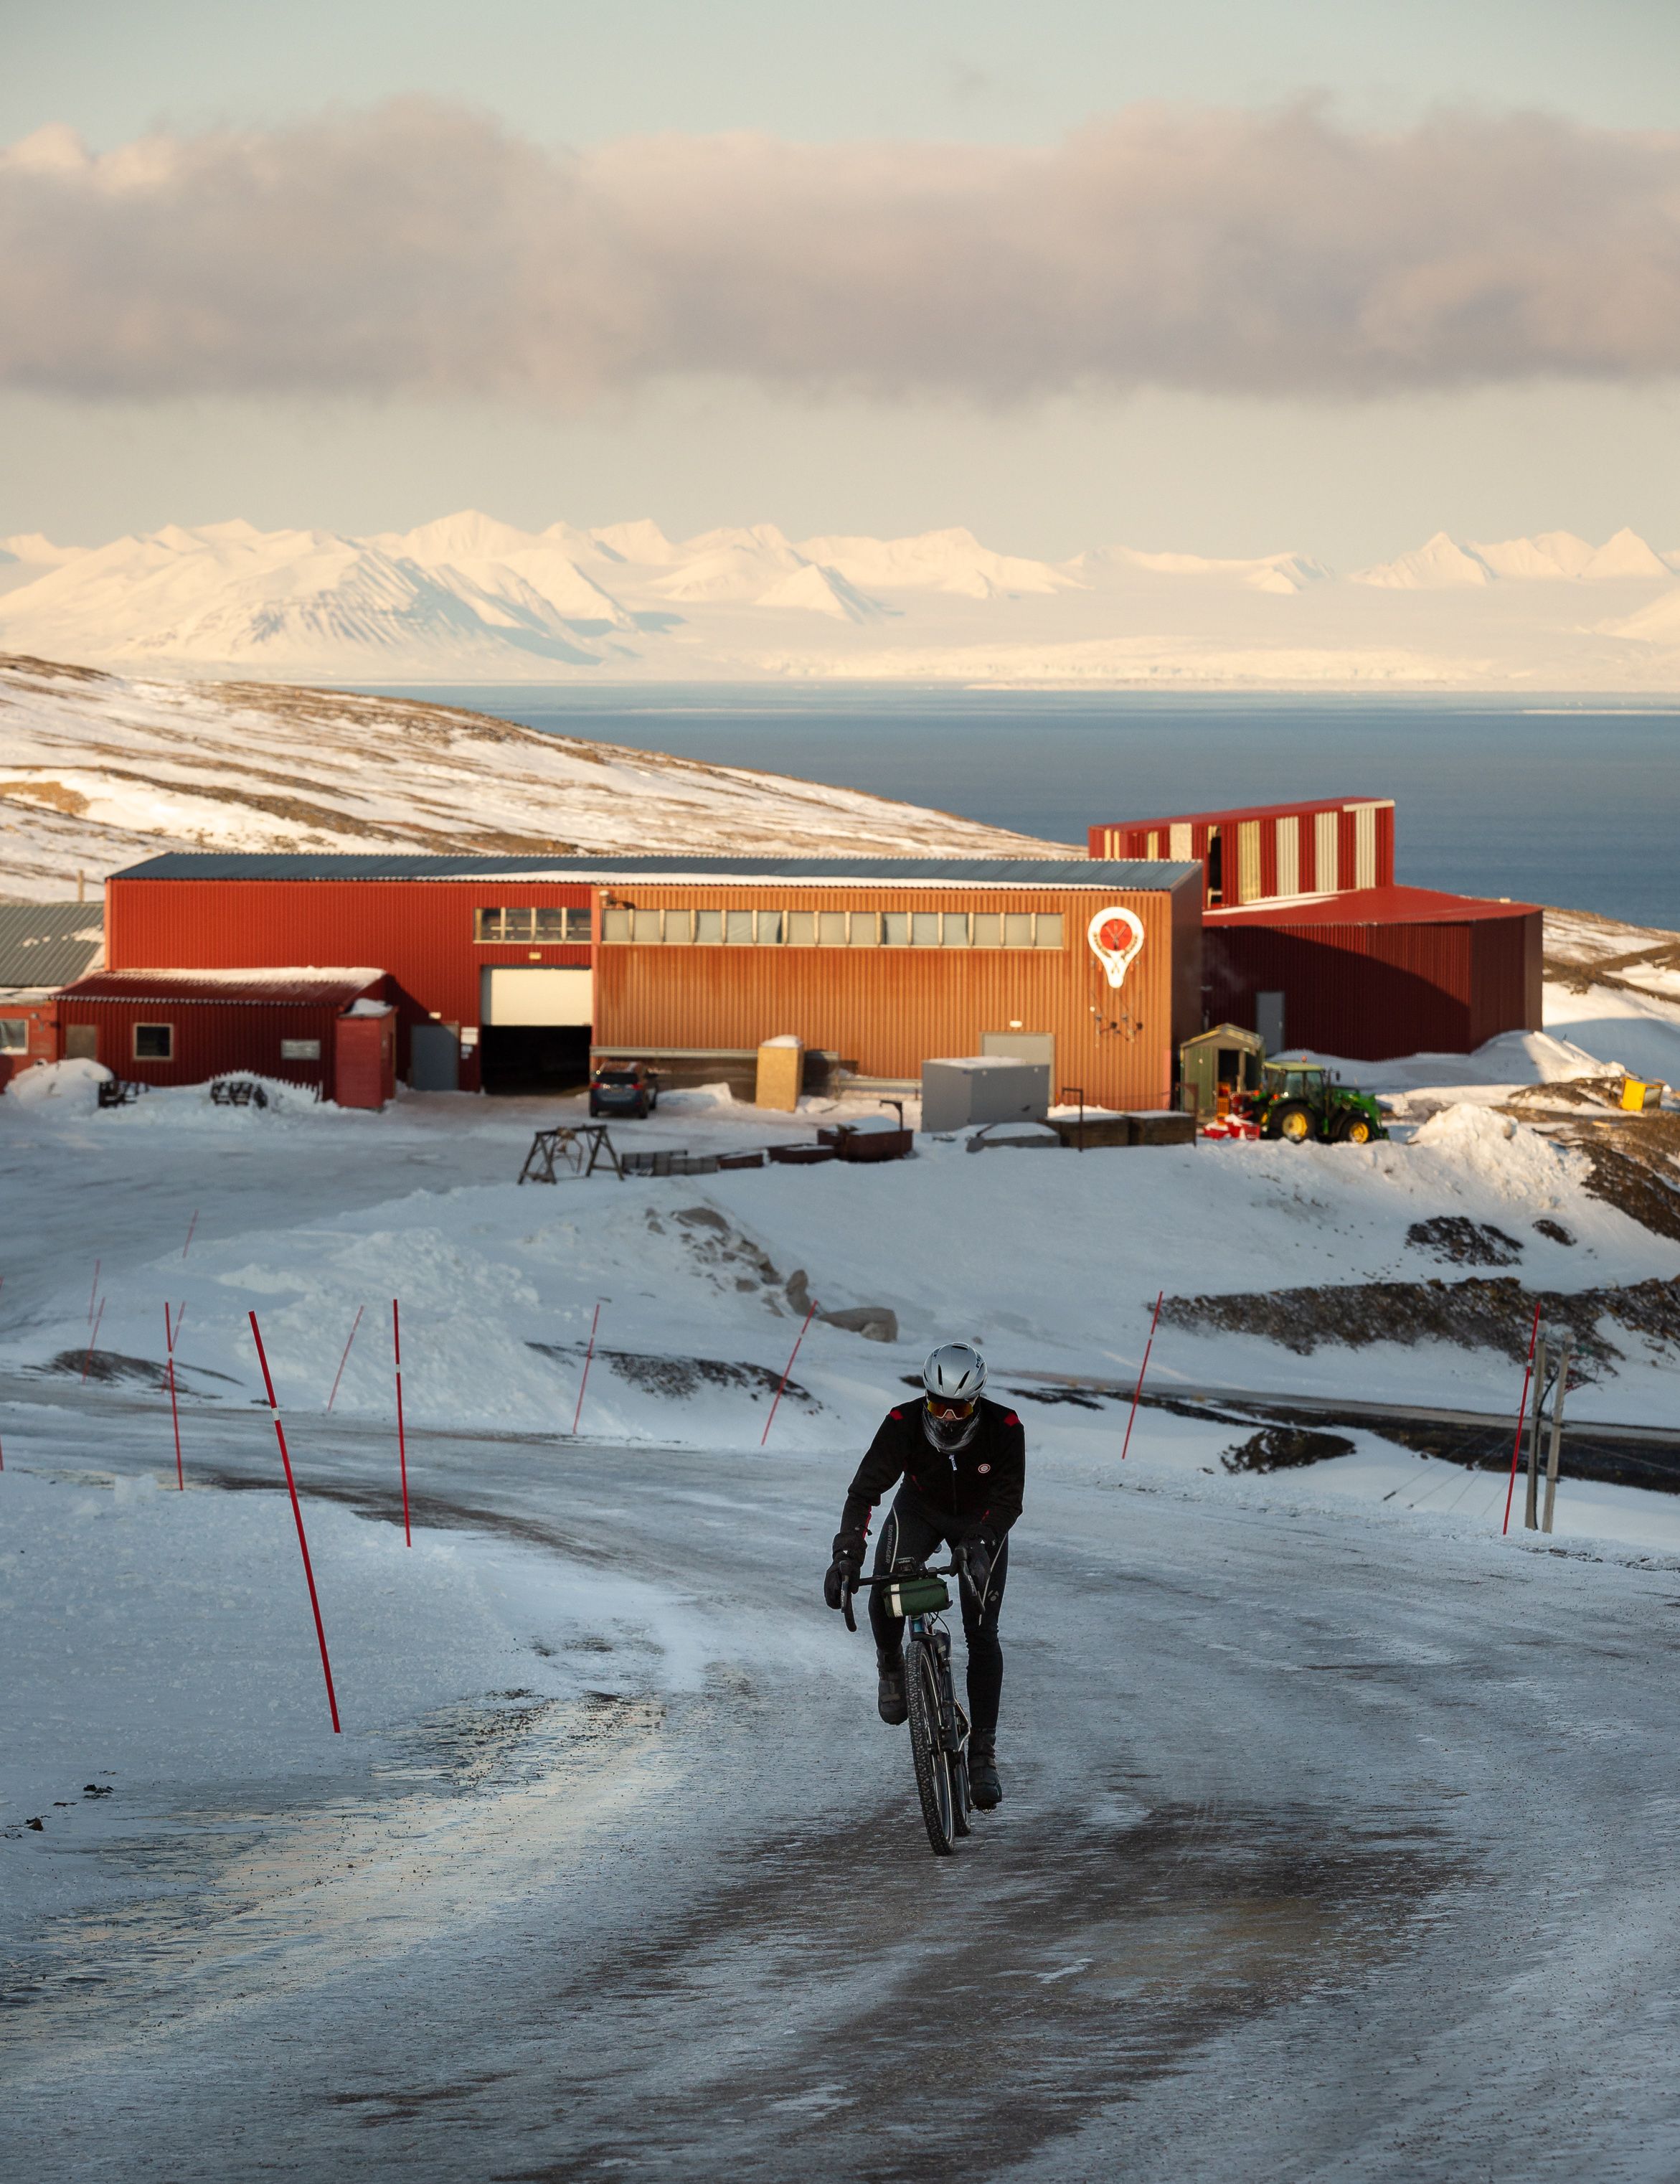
x=983 y=1087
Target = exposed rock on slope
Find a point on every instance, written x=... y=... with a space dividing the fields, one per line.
x=99 y=771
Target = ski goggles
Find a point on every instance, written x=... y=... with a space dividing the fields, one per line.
x=947 y=1406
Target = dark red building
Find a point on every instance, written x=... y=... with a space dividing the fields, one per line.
x=185 y=1027
x=1260 y=852
x=1384 y=972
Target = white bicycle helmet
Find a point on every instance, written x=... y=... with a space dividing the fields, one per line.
x=953 y=1375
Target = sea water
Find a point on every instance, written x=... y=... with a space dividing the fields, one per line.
x=1549 y=802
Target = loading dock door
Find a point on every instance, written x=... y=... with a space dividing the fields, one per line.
x=534 y=1026
x=514 y=994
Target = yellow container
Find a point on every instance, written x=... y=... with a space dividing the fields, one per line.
x=1638 y=1094
x=782 y=1063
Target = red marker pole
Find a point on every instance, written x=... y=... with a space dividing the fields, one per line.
x=298 y=1516
x=175 y=1415
x=191 y=1226
x=798 y=1339
x=402 y=1444
x=345 y=1359
x=92 y=1338
x=94 y=1291
x=587 y=1355
x=1142 y=1370
x=1521 y=1416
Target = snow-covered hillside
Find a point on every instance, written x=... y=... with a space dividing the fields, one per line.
x=469 y=598
x=97 y=770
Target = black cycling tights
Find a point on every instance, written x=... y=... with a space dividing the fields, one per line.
x=912 y=1531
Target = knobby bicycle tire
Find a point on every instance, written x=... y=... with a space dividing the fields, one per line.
x=932 y=1770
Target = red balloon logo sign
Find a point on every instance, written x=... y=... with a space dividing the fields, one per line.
x=1117 y=939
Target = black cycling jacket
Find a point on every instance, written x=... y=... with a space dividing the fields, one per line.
x=979 y=1488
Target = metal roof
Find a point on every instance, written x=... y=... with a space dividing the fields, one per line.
x=43 y=945
x=1387 y=905
x=1152 y=875
x=1301 y=808
x=306 y=984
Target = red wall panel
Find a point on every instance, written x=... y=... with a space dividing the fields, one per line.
x=211 y=1038
x=419 y=931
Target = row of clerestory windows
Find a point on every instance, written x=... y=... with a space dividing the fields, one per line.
x=832 y=928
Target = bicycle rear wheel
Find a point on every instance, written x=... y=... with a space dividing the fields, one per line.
x=932 y=1767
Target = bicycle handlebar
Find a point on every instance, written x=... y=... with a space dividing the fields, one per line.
x=890 y=1577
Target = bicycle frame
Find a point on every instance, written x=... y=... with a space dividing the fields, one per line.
x=928 y=1629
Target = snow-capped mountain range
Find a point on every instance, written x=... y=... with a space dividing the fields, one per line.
x=469 y=598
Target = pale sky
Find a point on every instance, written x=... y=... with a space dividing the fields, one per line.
x=959 y=278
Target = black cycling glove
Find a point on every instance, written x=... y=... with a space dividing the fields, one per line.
x=974 y=1559
x=843 y=1570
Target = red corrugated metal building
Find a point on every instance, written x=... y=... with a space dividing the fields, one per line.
x=184 y=1027
x=1384 y=972
x=1258 y=852
x=506 y=972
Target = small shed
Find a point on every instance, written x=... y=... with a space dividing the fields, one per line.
x=178 y=1026
x=1217 y=1066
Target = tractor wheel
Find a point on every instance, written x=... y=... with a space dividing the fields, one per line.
x=1354 y=1129
x=1294 y=1120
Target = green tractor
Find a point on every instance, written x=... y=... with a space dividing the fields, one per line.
x=1308 y=1105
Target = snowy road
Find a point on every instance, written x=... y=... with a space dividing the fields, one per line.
x=1333 y=1849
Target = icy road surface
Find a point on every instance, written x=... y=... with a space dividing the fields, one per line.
x=1332 y=1848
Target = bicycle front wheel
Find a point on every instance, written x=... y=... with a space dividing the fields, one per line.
x=927 y=1745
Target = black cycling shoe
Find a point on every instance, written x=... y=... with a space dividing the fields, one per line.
x=890 y=1694
x=984 y=1787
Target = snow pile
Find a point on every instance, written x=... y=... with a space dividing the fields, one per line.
x=74 y=1085
x=1503 y=1156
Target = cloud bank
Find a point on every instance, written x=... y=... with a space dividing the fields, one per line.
x=420 y=249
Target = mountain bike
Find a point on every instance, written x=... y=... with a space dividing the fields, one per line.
x=939 y=1726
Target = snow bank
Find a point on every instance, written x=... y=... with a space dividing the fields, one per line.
x=75 y=1083
x=1504 y=1156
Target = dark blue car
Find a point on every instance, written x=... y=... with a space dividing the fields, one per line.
x=623 y=1088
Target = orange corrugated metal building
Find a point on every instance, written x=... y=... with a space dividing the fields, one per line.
x=507 y=972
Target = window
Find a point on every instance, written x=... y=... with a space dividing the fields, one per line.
x=300 y=1049
x=1288 y=855
x=154 y=1042
x=738 y=927
x=550 y=925
x=14 y=1035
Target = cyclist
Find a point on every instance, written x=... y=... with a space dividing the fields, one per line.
x=963 y=1462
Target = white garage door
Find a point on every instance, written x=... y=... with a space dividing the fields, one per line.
x=510 y=995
